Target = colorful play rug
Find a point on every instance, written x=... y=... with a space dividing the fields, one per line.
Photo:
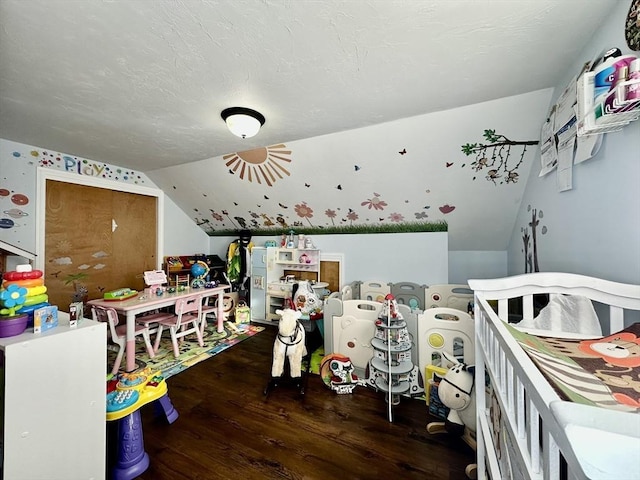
x=190 y=352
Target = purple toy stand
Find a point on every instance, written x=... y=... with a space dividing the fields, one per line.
x=132 y=460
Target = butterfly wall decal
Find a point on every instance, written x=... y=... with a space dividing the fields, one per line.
x=339 y=187
x=356 y=168
x=403 y=151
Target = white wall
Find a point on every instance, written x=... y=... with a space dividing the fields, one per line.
x=593 y=229
x=181 y=235
x=408 y=257
x=476 y=264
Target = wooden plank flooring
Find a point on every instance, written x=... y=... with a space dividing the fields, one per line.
x=227 y=429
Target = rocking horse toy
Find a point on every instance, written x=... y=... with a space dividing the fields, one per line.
x=288 y=345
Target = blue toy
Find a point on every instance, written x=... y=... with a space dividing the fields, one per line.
x=199 y=271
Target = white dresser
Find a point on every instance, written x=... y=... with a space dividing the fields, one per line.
x=53 y=399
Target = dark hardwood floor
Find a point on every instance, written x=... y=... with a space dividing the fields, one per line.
x=228 y=429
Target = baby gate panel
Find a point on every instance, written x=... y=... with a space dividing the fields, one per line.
x=448 y=295
x=410 y=294
x=444 y=330
x=374 y=291
x=353 y=330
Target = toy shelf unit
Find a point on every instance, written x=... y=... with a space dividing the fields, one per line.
x=610 y=112
x=299 y=260
x=178 y=268
x=391 y=369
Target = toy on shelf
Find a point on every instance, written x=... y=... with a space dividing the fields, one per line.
x=456 y=392
x=45 y=318
x=200 y=271
x=22 y=292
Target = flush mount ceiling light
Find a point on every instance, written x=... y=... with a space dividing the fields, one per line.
x=242 y=122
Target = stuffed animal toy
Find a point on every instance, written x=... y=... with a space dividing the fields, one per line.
x=456 y=393
x=290 y=342
x=305 y=299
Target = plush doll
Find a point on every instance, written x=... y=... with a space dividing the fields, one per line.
x=456 y=391
x=305 y=299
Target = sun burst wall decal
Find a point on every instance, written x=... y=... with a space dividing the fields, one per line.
x=265 y=164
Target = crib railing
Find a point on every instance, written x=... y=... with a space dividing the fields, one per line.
x=522 y=395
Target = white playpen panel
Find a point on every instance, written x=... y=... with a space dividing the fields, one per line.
x=374 y=291
x=448 y=295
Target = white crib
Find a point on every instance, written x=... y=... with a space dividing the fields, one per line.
x=542 y=436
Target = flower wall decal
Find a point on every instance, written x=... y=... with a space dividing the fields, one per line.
x=375 y=202
x=304 y=211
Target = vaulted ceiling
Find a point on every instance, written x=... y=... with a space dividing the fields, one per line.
x=141 y=84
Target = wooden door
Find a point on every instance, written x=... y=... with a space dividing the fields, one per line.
x=97 y=239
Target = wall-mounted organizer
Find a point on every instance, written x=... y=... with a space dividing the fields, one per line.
x=609 y=112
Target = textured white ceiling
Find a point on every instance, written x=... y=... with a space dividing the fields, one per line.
x=141 y=84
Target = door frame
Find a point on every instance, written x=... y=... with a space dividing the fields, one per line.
x=43 y=174
x=335 y=257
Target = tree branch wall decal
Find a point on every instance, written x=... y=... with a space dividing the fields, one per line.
x=495 y=156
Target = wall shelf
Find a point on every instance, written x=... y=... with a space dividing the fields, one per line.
x=590 y=116
x=300 y=259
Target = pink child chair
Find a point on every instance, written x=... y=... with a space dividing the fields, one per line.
x=187 y=318
x=117 y=335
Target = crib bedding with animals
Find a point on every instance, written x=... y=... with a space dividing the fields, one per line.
x=603 y=371
x=557 y=407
